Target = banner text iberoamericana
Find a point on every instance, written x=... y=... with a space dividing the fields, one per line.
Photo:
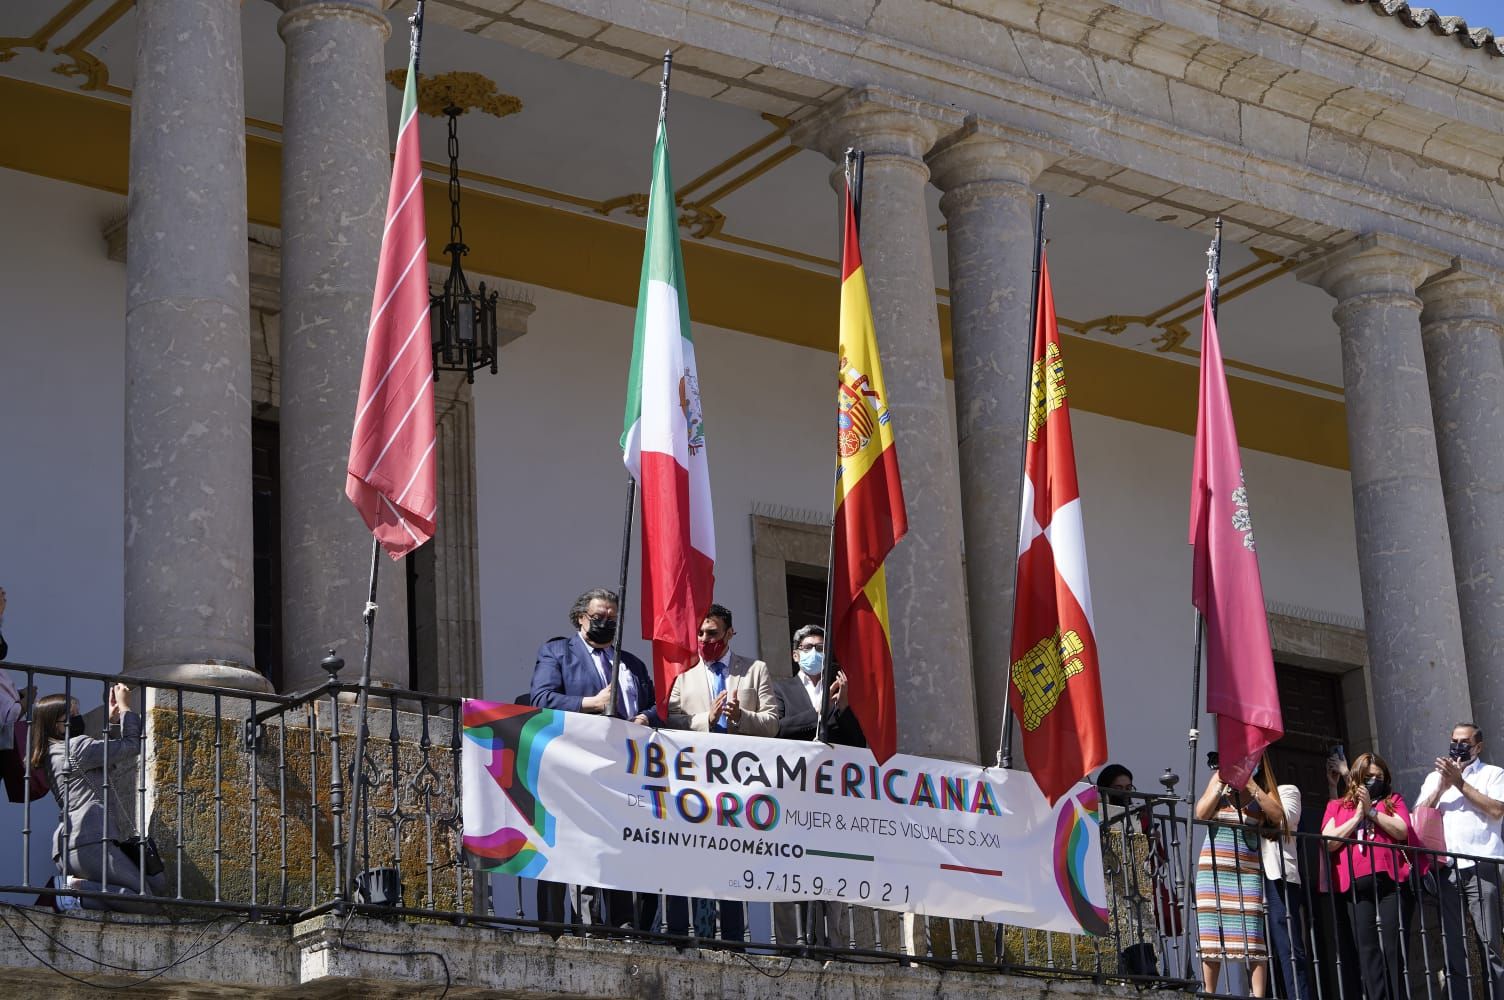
x=729 y=801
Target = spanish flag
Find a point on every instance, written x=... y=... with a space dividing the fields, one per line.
x=870 y=517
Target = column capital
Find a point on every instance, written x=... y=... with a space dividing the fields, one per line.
x=985 y=152
x=879 y=122
x=1466 y=290
x=299 y=13
x=1374 y=263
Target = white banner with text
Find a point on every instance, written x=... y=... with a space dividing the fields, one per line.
x=593 y=801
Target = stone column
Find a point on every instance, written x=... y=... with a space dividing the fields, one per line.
x=336 y=162
x=188 y=565
x=926 y=585
x=1415 y=651
x=1460 y=328
x=985 y=173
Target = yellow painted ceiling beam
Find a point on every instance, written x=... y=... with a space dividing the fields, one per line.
x=85 y=140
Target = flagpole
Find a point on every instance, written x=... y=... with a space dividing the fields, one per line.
x=1005 y=741
x=626 y=528
x=1193 y=736
x=621 y=597
x=855 y=160
x=362 y=709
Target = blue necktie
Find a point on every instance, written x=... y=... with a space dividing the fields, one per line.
x=718 y=688
x=626 y=686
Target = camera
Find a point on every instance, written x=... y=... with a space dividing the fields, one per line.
x=1213 y=759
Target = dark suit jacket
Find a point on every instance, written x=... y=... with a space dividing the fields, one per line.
x=799 y=717
x=564 y=674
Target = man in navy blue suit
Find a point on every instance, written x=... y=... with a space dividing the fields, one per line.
x=572 y=674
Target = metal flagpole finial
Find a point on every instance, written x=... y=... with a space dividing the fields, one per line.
x=668 y=67
x=415 y=37
x=1214 y=257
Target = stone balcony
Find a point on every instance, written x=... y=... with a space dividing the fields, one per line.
x=327 y=957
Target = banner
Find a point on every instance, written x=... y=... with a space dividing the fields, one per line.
x=588 y=800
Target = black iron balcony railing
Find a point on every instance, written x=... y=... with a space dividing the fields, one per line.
x=248 y=801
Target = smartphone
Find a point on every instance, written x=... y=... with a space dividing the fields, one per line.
x=1338 y=754
x=1213 y=759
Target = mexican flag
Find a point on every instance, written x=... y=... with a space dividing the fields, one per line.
x=663 y=445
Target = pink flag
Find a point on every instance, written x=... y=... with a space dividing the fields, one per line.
x=390 y=477
x=1240 y=686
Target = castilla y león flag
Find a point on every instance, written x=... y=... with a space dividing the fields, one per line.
x=1226 y=589
x=1055 y=687
x=663 y=445
x=870 y=515
x=390 y=477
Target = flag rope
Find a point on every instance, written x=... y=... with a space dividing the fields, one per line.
x=1193 y=736
x=356 y=812
x=853 y=168
x=1005 y=738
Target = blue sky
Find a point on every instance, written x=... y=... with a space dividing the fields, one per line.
x=1479 y=13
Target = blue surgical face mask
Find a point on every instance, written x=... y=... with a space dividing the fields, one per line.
x=811 y=661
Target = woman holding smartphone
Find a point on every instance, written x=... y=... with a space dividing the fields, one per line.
x=1230 y=901
x=87 y=845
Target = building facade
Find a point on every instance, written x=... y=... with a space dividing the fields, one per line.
x=193 y=194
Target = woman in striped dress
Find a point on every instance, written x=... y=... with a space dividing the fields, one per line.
x=1230 y=879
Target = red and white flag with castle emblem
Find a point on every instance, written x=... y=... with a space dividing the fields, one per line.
x=1055 y=687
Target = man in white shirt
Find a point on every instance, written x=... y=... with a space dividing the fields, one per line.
x=1469 y=794
x=800 y=696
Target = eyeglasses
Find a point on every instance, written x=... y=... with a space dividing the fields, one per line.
x=805 y=646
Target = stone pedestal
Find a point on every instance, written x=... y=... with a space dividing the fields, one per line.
x=1460 y=328
x=1410 y=613
x=926 y=586
x=256 y=826
x=335 y=168
x=188 y=564
x=985 y=173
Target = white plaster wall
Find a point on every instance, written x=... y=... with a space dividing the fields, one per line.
x=551 y=488
x=62 y=451
x=551 y=484
x=62 y=404
x=1135 y=485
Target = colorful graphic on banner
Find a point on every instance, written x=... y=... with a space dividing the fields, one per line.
x=588 y=800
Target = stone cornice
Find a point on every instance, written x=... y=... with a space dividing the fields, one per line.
x=1190 y=135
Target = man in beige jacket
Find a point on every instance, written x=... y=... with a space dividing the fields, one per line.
x=725 y=692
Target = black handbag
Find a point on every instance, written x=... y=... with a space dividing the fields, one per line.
x=143 y=851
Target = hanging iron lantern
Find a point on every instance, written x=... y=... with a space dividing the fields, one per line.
x=464 y=319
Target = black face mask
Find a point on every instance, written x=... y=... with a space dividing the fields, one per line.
x=1460 y=751
x=1378 y=789
x=75 y=726
x=601 y=630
